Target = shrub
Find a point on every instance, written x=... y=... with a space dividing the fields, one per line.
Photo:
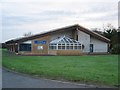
x=116 y=49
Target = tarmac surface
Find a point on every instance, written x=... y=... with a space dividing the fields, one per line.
x=15 y=80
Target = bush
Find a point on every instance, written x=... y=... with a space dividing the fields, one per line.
x=116 y=49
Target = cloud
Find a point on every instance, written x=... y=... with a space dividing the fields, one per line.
x=119 y=14
x=38 y=16
x=58 y=1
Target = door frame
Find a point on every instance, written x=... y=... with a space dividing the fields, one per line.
x=91 y=48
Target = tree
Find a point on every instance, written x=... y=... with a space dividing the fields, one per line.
x=116 y=49
x=27 y=34
x=2 y=45
x=97 y=30
x=113 y=34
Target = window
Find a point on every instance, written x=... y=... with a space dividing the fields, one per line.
x=40 y=47
x=75 y=47
x=25 y=47
x=59 y=47
x=77 y=37
x=67 y=47
x=79 y=47
x=64 y=43
x=71 y=47
x=52 y=46
x=63 y=47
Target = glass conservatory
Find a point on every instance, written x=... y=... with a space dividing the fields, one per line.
x=65 y=43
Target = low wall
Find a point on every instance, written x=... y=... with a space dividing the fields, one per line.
x=65 y=52
x=55 y=52
x=24 y=52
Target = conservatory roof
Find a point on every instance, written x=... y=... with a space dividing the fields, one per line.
x=64 y=40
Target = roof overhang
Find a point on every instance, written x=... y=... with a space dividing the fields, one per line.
x=73 y=27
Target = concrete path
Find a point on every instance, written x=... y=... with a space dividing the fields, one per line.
x=15 y=80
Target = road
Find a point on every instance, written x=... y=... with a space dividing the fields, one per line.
x=16 y=80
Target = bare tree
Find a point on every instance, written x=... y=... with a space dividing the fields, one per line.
x=97 y=30
x=27 y=34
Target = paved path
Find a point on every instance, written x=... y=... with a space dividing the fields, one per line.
x=15 y=80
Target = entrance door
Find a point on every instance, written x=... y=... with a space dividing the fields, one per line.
x=91 y=47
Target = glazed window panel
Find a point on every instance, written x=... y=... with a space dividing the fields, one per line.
x=25 y=47
x=63 y=47
x=52 y=47
x=59 y=47
x=68 y=47
x=64 y=43
x=79 y=47
x=75 y=47
x=71 y=47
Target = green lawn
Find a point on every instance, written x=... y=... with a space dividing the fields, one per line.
x=102 y=69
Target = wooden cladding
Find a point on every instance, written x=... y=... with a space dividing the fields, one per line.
x=35 y=47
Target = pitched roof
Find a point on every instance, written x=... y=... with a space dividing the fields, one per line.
x=93 y=34
x=73 y=27
x=64 y=40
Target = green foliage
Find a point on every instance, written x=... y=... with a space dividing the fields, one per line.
x=101 y=69
x=116 y=49
x=2 y=45
x=113 y=34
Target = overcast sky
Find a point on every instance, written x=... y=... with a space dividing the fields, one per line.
x=36 y=16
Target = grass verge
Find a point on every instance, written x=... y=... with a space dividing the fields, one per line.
x=102 y=69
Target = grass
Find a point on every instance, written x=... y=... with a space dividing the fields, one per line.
x=102 y=69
